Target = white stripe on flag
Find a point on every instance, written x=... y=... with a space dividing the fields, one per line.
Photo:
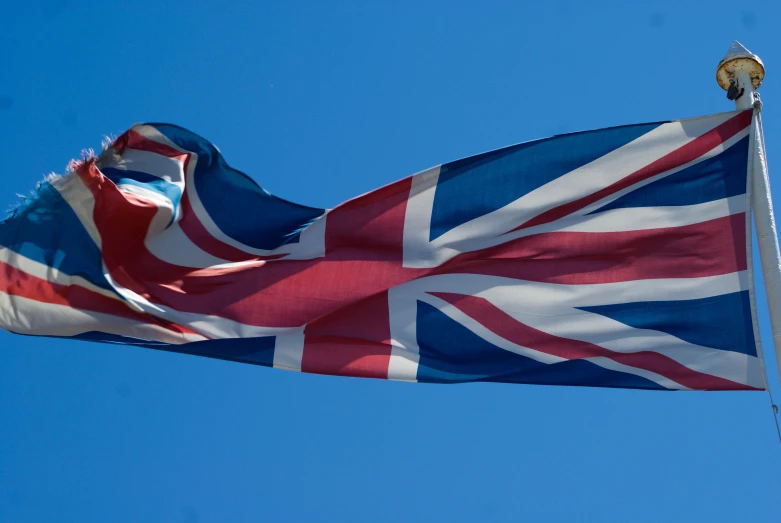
x=26 y=316
x=289 y=350
x=153 y=164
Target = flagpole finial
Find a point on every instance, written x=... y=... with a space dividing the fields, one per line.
x=740 y=73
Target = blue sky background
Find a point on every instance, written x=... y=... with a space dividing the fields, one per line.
x=320 y=103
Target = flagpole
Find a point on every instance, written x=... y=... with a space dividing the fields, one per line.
x=740 y=73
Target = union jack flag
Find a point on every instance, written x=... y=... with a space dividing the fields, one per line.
x=612 y=258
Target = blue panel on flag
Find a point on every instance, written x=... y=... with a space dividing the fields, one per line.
x=104 y=337
x=266 y=221
x=259 y=351
x=46 y=230
x=248 y=350
x=720 y=322
x=449 y=352
x=481 y=184
x=716 y=178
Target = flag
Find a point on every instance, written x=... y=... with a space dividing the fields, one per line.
x=618 y=257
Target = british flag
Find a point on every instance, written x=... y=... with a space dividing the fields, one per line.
x=617 y=257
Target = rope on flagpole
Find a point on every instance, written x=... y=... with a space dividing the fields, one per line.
x=767 y=238
x=752 y=173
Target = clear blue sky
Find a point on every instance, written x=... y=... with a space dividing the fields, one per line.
x=321 y=103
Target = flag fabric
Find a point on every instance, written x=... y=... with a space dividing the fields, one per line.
x=617 y=257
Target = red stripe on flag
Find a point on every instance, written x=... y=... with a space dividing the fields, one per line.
x=353 y=341
x=337 y=356
x=134 y=140
x=370 y=227
x=16 y=282
x=702 y=249
x=683 y=155
x=504 y=325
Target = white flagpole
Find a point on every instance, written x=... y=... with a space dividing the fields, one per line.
x=740 y=73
